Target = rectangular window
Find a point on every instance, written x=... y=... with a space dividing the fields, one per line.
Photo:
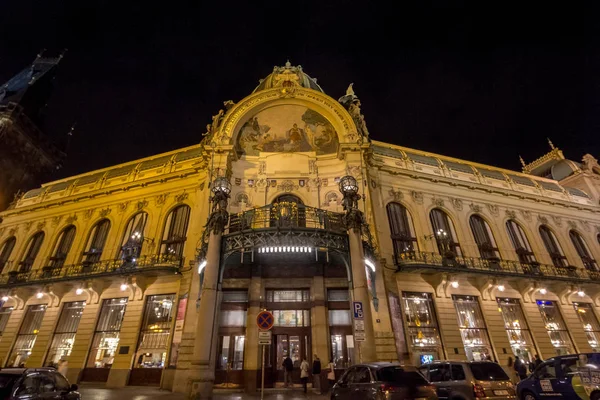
x=64 y=334
x=235 y=296
x=27 y=335
x=342 y=350
x=421 y=323
x=156 y=330
x=4 y=316
x=585 y=312
x=291 y=318
x=555 y=325
x=338 y=295
x=233 y=318
x=517 y=329
x=339 y=318
x=472 y=328
x=106 y=337
x=287 y=296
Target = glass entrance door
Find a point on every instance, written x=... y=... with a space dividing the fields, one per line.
x=296 y=345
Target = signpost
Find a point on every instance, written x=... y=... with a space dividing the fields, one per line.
x=359 y=323
x=265 y=322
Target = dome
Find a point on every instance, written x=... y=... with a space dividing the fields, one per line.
x=564 y=168
x=287 y=75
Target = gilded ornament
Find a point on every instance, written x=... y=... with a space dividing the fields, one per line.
x=181 y=197
x=87 y=214
x=41 y=225
x=287 y=186
x=56 y=220
x=70 y=219
x=104 y=212
x=122 y=207
x=142 y=204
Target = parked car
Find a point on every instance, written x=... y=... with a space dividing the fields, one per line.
x=35 y=384
x=382 y=381
x=574 y=376
x=463 y=380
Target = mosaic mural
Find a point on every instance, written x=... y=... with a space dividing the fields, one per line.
x=287 y=128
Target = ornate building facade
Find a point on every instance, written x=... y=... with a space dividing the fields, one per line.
x=153 y=271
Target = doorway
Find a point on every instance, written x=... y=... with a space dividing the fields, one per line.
x=292 y=342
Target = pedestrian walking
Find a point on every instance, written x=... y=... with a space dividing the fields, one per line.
x=288 y=368
x=331 y=374
x=520 y=368
x=304 y=373
x=511 y=371
x=316 y=371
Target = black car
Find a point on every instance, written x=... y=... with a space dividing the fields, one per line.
x=35 y=384
x=382 y=381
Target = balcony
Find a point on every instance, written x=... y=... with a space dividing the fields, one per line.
x=156 y=264
x=285 y=224
x=416 y=261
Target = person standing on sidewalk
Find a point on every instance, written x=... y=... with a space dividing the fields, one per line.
x=288 y=367
x=316 y=371
x=331 y=374
x=304 y=373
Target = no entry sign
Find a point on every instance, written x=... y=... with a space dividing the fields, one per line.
x=265 y=320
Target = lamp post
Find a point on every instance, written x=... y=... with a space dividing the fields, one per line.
x=203 y=361
x=354 y=222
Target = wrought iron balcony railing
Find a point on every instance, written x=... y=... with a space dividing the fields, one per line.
x=417 y=260
x=286 y=215
x=155 y=263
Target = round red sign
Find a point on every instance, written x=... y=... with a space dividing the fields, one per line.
x=265 y=320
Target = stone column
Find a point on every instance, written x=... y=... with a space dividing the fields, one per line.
x=319 y=327
x=366 y=349
x=252 y=356
x=202 y=377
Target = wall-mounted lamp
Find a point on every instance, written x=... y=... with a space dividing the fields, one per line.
x=201 y=266
x=124 y=287
x=78 y=291
x=454 y=284
x=543 y=291
x=501 y=288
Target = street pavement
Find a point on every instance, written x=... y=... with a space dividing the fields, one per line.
x=92 y=392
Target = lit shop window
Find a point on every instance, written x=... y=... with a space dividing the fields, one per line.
x=287 y=296
x=156 y=330
x=421 y=322
x=231 y=352
x=586 y=315
x=27 y=335
x=64 y=334
x=472 y=328
x=555 y=325
x=517 y=329
x=291 y=318
x=106 y=337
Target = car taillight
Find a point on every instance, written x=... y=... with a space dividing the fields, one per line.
x=478 y=390
x=387 y=388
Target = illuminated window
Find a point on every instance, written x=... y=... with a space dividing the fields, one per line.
x=555 y=325
x=585 y=312
x=64 y=333
x=156 y=330
x=133 y=237
x=291 y=318
x=517 y=329
x=106 y=338
x=175 y=232
x=421 y=322
x=4 y=316
x=287 y=296
x=27 y=335
x=444 y=232
x=472 y=328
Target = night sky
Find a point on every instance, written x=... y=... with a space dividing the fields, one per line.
x=480 y=84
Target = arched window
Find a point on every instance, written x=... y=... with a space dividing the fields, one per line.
x=552 y=246
x=401 y=228
x=288 y=210
x=484 y=237
x=444 y=232
x=96 y=241
x=31 y=252
x=7 y=248
x=133 y=237
x=63 y=245
x=520 y=242
x=583 y=251
x=175 y=232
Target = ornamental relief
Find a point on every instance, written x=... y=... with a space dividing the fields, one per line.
x=180 y=198
x=105 y=212
x=557 y=220
x=572 y=224
x=542 y=219
x=287 y=186
x=56 y=220
x=332 y=199
x=122 y=207
x=71 y=219
x=161 y=199
x=417 y=197
x=436 y=201
x=493 y=209
x=526 y=215
x=511 y=214
x=397 y=195
x=41 y=225
x=141 y=205
x=585 y=225
x=475 y=208
x=457 y=204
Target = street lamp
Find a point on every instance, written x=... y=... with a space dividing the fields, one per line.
x=221 y=186
x=348 y=185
